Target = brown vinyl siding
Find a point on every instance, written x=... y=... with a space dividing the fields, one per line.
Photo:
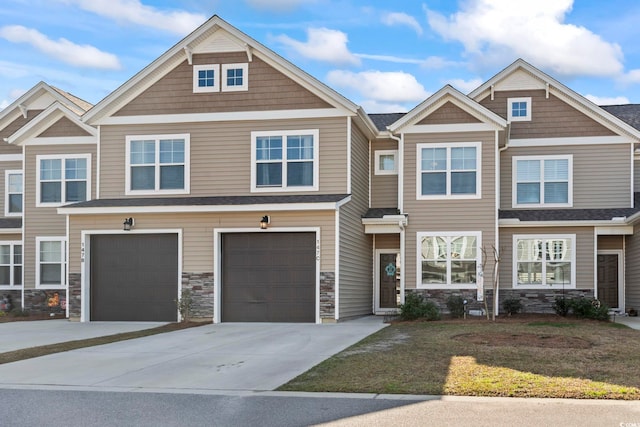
x=269 y=89
x=584 y=252
x=449 y=215
x=198 y=230
x=601 y=174
x=632 y=269
x=355 y=275
x=610 y=243
x=12 y=128
x=221 y=154
x=636 y=174
x=448 y=114
x=384 y=188
x=5 y=167
x=64 y=127
x=10 y=237
x=387 y=241
x=550 y=118
x=45 y=221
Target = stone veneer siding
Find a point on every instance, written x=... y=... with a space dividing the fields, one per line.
x=327 y=295
x=533 y=300
x=201 y=287
x=41 y=301
x=14 y=295
x=75 y=295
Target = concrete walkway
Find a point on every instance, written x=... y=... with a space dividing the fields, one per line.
x=632 y=322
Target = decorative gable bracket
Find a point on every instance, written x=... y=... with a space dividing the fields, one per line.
x=23 y=110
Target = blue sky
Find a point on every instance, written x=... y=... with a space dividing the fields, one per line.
x=386 y=56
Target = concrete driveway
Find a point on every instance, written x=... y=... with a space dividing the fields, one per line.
x=225 y=357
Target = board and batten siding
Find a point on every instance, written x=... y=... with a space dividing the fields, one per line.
x=221 y=155
x=5 y=166
x=198 y=229
x=632 y=269
x=584 y=253
x=449 y=215
x=550 y=117
x=601 y=174
x=45 y=221
x=268 y=89
x=384 y=188
x=355 y=273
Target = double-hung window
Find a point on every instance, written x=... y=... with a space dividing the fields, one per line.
x=63 y=179
x=448 y=260
x=13 y=193
x=157 y=164
x=284 y=160
x=448 y=170
x=10 y=264
x=544 y=260
x=51 y=261
x=542 y=181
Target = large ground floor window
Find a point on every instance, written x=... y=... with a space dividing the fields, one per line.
x=544 y=260
x=448 y=260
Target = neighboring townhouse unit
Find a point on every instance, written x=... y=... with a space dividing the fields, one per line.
x=224 y=170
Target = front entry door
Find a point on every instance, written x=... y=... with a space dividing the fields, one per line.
x=608 y=280
x=388 y=281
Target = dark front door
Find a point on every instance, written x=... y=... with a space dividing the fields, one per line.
x=608 y=280
x=387 y=274
x=269 y=277
x=134 y=277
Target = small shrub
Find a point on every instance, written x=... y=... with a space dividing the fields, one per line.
x=561 y=306
x=512 y=306
x=588 y=308
x=455 y=304
x=415 y=307
x=185 y=304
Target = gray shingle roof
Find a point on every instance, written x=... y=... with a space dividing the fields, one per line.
x=380 y=212
x=383 y=120
x=629 y=113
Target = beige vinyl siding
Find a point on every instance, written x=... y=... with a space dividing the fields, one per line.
x=384 y=188
x=10 y=237
x=198 y=230
x=584 y=253
x=610 y=242
x=221 y=154
x=64 y=127
x=355 y=274
x=550 y=118
x=448 y=114
x=449 y=215
x=12 y=128
x=632 y=269
x=601 y=173
x=45 y=221
x=636 y=174
x=387 y=241
x=5 y=166
x=269 y=89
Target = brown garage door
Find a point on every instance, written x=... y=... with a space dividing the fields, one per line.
x=268 y=277
x=134 y=277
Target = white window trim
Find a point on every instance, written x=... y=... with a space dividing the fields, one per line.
x=187 y=161
x=448 y=146
x=526 y=118
x=514 y=182
x=316 y=160
x=216 y=78
x=13 y=243
x=380 y=153
x=63 y=179
x=63 y=254
x=6 y=191
x=571 y=237
x=245 y=77
x=421 y=234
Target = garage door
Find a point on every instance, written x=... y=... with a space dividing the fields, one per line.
x=268 y=277
x=134 y=277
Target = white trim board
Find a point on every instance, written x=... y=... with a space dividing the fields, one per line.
x=552 y=142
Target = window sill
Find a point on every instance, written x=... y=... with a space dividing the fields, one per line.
x=451 y=197
x=281 y=189
x=155 y=192
x=52 y=287
x=448 y=286
x=542 y=205
x=566 y=286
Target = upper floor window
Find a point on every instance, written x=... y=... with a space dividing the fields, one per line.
x=63 y=179
x=519 y=109
x=284 y=160
x=542 y=181
x=157 y=164
x=448 y=170
x=206 y=78
x=386 y=163
x=10 y=263
x=235 y=77
x=448 y=259
x=13 y=193
x=544 y=260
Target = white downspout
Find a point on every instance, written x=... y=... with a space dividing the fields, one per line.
x=496 y=297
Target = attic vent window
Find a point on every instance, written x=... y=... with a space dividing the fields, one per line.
x=519 y=109
x=235 y=77
x=206 y=78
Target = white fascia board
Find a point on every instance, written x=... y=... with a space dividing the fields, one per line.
x=587 y=140
x=450 y=128
x=516 y=223
x=10 y=230
x=614 y=230
x=225 y=117
x=11 y=157
x=275 y=207
x=62 y=140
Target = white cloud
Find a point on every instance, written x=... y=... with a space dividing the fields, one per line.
x=4 y=104
x=134 y=12
x=607 y=100
x=278 y=5
x=500 y=30
x=632 y=76
x=16 y=93
x=394 y=86
x=323 y=44
x=398 y=18
x=431 y=62
x=62 y=49
x=465 y=86
x=372 y=106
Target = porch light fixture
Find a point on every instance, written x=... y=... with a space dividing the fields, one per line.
x=264 y=222
x=127 y=224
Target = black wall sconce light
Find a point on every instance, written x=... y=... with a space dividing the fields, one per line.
x=128 y=223
x=264 y=222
